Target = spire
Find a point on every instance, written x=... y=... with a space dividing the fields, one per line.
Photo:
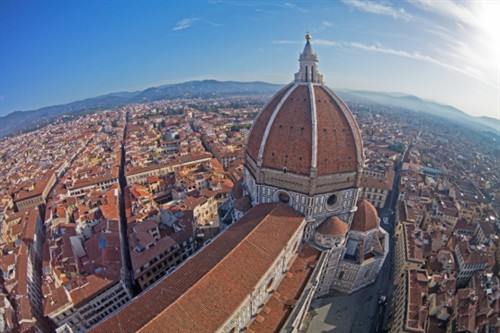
x=308 y=48
x=308 y=71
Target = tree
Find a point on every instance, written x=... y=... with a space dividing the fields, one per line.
x=398 y=147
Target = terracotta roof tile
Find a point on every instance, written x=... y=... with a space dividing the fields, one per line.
x=289 y=143
x=260 y=123
x=365 y=218
x=333 y=226
x=30 y=226
x=56 y=300
x=290 y=140
x=22 y=274
x=337 y=150
x=201 y=294
x=93 y=285
x=278 y=308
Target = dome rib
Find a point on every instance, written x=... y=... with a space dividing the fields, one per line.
x=335 y=136
x=288 y=144
x=259 y=125
x=307 y=131
x=314 y=125
x=310 y=132
x=352 y=123
x=270 y=123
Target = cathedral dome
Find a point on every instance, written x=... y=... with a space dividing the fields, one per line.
x=365 y=218
x=306 y=129
x=333 y=226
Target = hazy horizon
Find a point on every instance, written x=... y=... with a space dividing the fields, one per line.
x=56 y=52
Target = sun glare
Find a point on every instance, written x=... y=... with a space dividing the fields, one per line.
x=488 y=13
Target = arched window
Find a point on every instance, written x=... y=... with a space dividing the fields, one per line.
x=307 y=74
x=284 y=197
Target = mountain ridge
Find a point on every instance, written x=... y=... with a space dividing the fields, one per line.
x=19 y=120
x=418 y=104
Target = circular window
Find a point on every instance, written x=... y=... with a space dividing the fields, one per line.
x=332 y=199
x=284 y=197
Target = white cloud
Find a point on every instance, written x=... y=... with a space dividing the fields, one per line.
x=325 y=42
x=184 y=23
x=327 y=24
x=469 y=31
x=287 y=42
x=379 y=8
x=295 y=7
x=466 y=70
x=212 y=23
x=448 y=9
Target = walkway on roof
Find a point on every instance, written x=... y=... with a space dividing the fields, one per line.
x=282 y=301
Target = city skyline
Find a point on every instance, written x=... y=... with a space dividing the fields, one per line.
x=54 y=53
x=148 y=216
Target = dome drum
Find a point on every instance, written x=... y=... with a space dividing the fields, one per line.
x=313 y=207
x=302 y=183
x=306 y=140
x=328 y=241
x=331 y=232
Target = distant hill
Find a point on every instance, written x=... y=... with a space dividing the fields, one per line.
x=416 y=104
x=211 y=88
x=193 y=89
x=205 y=89
x=22 y=119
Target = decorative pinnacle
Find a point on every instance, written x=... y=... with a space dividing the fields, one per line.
x=308 y=71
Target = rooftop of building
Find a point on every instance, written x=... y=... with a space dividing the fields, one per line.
x=212 y=284
x=417 y=312
x=417 y=243
x=282 y=301
x=333 y=226
x=365 y=218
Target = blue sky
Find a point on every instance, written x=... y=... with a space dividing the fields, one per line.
x=53 y=52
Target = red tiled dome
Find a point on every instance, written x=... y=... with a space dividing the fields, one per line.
x=305 y=127
x=365 y=218
x=333 y=226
